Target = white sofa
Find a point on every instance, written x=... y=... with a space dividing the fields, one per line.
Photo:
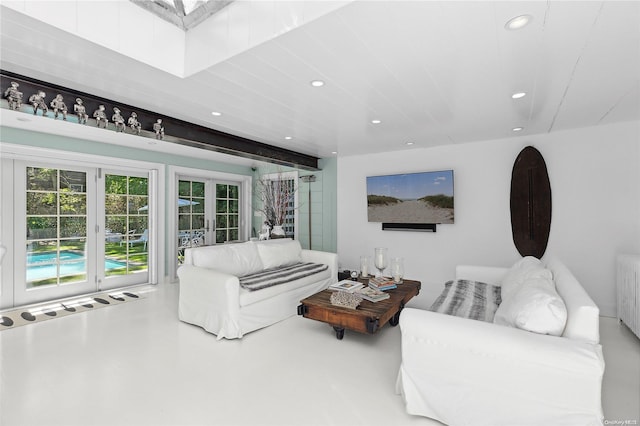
x=212 y=297
x=466 y=372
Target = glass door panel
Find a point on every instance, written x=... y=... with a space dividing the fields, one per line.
x=52 y=209
x=192 y=210
x=126 y=229
x=56 y=226
x=227 y=212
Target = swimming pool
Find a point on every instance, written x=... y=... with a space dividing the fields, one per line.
x=41 y=266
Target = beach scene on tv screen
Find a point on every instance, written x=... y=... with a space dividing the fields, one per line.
x=411 y=198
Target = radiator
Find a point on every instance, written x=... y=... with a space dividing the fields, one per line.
x=628 y=283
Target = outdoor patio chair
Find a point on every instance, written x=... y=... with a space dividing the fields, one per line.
x=143 y=239
x=126 y=238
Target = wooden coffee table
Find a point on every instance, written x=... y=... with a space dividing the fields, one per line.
x=368 y=318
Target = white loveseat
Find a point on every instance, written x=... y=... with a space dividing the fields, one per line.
x=466 y=372
x=211 y=295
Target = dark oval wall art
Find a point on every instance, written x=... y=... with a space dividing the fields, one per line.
x=530 y=203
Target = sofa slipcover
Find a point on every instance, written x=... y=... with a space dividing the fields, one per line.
x=466 y=372
x=212 y=298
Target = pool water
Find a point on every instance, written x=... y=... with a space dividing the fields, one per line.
x=41 y=266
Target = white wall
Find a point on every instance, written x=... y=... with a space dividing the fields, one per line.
x=595 y=184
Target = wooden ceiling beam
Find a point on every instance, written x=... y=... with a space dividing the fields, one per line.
x=176 y=131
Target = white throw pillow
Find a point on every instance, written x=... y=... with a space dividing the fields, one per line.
x=277 y=255
x=535 y=306
x=234 y=259
x=525 y=268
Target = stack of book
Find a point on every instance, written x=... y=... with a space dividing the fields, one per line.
x=372 y=295
x=346 y=285
x=382 y=283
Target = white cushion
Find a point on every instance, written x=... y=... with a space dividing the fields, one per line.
x=278 y=254
x=234 y=259
x=525 y=268
x=535 y=306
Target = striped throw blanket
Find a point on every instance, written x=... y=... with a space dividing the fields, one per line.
x=271 y=277
x=468 y=299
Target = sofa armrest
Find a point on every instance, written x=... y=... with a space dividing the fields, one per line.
x=317 y=256
x=486 y=274
x=207 y=286
x=583 y=315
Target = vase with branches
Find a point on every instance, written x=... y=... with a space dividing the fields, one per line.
x=276 y=195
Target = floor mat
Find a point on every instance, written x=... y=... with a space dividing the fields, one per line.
x=46 y=311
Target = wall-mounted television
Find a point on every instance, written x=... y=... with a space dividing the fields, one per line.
x=425 y=197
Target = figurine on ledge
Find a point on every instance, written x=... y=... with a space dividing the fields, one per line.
x=58 y=106
x=101 y=117
x=118 y=119
x=37 y=101
x=134 y=124
x=14 y=96
x=80 y=111
x=159 y=129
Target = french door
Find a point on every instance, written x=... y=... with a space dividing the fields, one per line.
x=227 y=223
x=54 y=211
x=208 y=212
x=209 y=207
x=194 y=214
x=125 y=233
x=78 y=230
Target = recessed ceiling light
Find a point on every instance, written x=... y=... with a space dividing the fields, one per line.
x=288 y=138
x=518 y=22
x=518 y=129
x=317 y=83
x=518 y=95
x=376 y=121
x=409 y=143
x=334 y=152
x=216 y=113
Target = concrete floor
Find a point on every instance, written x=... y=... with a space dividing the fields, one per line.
x=137 y=364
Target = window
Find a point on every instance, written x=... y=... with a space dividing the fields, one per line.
x=289 y=224
x=290 y=181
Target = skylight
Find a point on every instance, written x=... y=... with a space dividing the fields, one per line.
x=185 y=14
x=190 y=6
x=184 y=7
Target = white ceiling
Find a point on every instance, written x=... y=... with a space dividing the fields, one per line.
x=434 y=72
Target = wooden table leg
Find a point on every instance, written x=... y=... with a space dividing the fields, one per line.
x=339 y=332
